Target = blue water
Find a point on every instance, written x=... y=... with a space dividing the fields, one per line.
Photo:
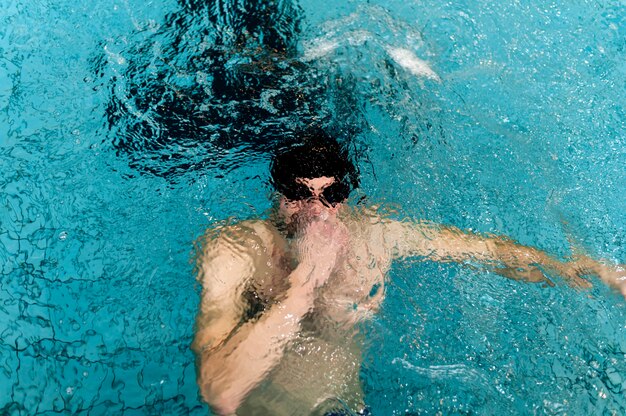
x=518 y=129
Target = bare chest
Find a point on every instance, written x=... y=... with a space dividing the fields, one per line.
x=354 y=291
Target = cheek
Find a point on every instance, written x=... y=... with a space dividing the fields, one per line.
x=288 y=209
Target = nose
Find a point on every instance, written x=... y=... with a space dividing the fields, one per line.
x=313 y=206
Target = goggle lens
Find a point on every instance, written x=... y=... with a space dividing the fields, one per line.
x=333 y=194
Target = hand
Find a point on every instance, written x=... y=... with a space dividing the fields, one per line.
x=612 y=275
x=571 y=271
x=320 y=245
x=529 y=274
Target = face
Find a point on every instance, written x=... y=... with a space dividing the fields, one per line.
x=313 y=206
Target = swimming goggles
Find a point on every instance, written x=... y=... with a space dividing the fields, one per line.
x=333 y=194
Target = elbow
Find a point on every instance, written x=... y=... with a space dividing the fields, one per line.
x=221 y=402
x=216 y=390
x=223 y=407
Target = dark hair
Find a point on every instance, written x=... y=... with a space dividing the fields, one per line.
x=318 y=155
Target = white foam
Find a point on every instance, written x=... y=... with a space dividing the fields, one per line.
x=409 y=61
x=113 y=56
x=319 y=48
x=441 y=372
x=324 y=46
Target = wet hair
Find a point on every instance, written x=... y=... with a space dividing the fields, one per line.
x=318 y=155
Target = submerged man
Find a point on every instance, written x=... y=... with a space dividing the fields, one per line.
x=276 y=331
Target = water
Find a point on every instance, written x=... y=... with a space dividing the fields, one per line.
x=505 y=118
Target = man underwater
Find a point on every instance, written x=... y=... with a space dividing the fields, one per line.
x=281 y=298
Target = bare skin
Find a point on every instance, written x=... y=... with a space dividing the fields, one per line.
x=276 y=327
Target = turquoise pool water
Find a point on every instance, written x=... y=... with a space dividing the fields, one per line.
x=128 y=127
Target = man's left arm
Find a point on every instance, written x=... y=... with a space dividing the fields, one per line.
x=449 y=244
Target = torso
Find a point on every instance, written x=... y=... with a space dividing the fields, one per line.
x=324 y=362
x=354 y=291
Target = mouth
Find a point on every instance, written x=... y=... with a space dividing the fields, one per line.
x=305 y=217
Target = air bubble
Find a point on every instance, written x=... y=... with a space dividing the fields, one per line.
x=63 y=235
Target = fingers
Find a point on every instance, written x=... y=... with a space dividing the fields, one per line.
x=579 y=283
x=533 y=275
x=620 y=278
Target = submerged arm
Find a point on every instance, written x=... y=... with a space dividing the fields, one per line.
x=229 y=371
x=507 y=257
x=232 y=358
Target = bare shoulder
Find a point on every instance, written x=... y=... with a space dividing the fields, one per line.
x=234 y=230
x=233 y=250
x=242 y=235
x=384 y=219
x=228 y=256
x=400 y=237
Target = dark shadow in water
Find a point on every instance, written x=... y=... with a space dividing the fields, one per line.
x=217 y=76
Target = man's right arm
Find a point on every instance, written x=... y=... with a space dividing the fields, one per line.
x=232 y=358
